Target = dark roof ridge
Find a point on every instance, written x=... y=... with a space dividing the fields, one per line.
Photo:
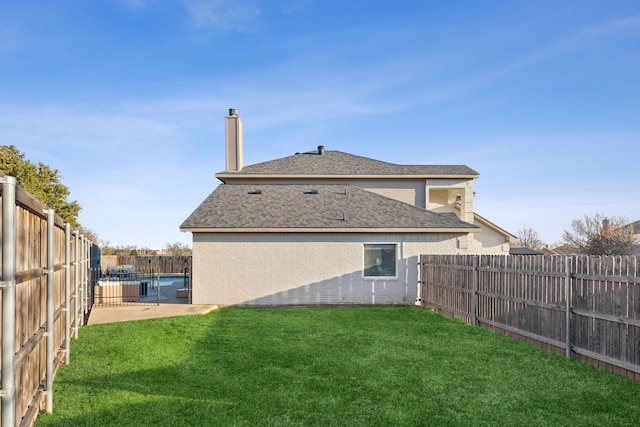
x=339 y=163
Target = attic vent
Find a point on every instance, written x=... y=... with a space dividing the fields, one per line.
x=321 y=150
x=255 y=192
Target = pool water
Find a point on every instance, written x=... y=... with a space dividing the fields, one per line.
x=170 y=280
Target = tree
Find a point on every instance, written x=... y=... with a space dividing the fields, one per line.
x=178 y=248
x=91 y=235
x=529 y=238
x=600 y=235
x=41 y=181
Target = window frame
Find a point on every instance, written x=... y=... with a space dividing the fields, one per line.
x=364 y=261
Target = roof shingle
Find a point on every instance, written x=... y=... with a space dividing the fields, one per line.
x=338 y=163
x=312 y=206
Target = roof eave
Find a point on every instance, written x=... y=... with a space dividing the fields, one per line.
x=326 y=230
x=224 y=176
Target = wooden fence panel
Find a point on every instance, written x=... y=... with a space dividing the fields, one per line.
x=29 y=357
x=606 y=309
x=163 y=264
x=445 y=285
x=526 y=297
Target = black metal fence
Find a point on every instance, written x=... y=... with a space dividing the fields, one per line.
x=128 y=288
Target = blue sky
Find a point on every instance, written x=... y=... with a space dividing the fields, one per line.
x=127 y=99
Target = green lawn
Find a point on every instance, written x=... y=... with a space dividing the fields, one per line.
x=378 y=366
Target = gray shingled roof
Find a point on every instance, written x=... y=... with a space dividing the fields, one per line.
x=337 y=163
x=296 y=206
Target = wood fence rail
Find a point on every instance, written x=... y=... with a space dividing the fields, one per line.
x=587 y=308
x=163 y=264
x=46 y=295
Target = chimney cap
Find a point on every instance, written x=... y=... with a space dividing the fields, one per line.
x=233 y=112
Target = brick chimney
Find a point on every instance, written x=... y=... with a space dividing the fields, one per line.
x=233 y=141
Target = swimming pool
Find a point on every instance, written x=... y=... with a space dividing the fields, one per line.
x=170 y=280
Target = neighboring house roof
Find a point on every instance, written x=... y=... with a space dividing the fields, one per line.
x=636 y=227
x=338 y=164
x=522 y=250
x=564 y=249
x=314 y=207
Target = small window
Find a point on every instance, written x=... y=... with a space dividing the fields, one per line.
x=379 y=260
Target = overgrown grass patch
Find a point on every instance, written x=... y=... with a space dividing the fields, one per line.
x=326 y=366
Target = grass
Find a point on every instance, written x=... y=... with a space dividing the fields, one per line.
x=376 y=366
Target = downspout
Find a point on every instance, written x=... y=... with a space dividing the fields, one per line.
x=418 y=300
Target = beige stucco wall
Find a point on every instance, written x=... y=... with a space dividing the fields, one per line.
x=294 y=268
x=488 y=240
x=441 y=196
x=407 y=191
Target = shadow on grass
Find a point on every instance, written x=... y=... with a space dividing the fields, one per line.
x=326 y=366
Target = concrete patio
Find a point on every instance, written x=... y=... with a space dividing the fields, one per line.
x=170 y=305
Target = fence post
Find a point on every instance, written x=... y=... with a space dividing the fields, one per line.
x=67 y=292
x=567 y=297
x=87 y=277
x=76 y=281
x=50 y=309
x=8 y=299
x=474 y=295
x=82 y=275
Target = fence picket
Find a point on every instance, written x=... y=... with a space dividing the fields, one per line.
x=33 y=314
x=584 y=307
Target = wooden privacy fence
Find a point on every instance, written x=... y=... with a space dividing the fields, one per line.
x=46 y=296
x=587 y=308
x=163 y=264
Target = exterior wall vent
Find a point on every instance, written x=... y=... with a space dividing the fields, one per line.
x=255 y=192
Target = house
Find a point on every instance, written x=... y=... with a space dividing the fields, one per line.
x=564 y=249
x=636 y=231
x=329 y=227
x=515 y=249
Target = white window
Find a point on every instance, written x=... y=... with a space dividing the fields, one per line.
x=379 y=260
